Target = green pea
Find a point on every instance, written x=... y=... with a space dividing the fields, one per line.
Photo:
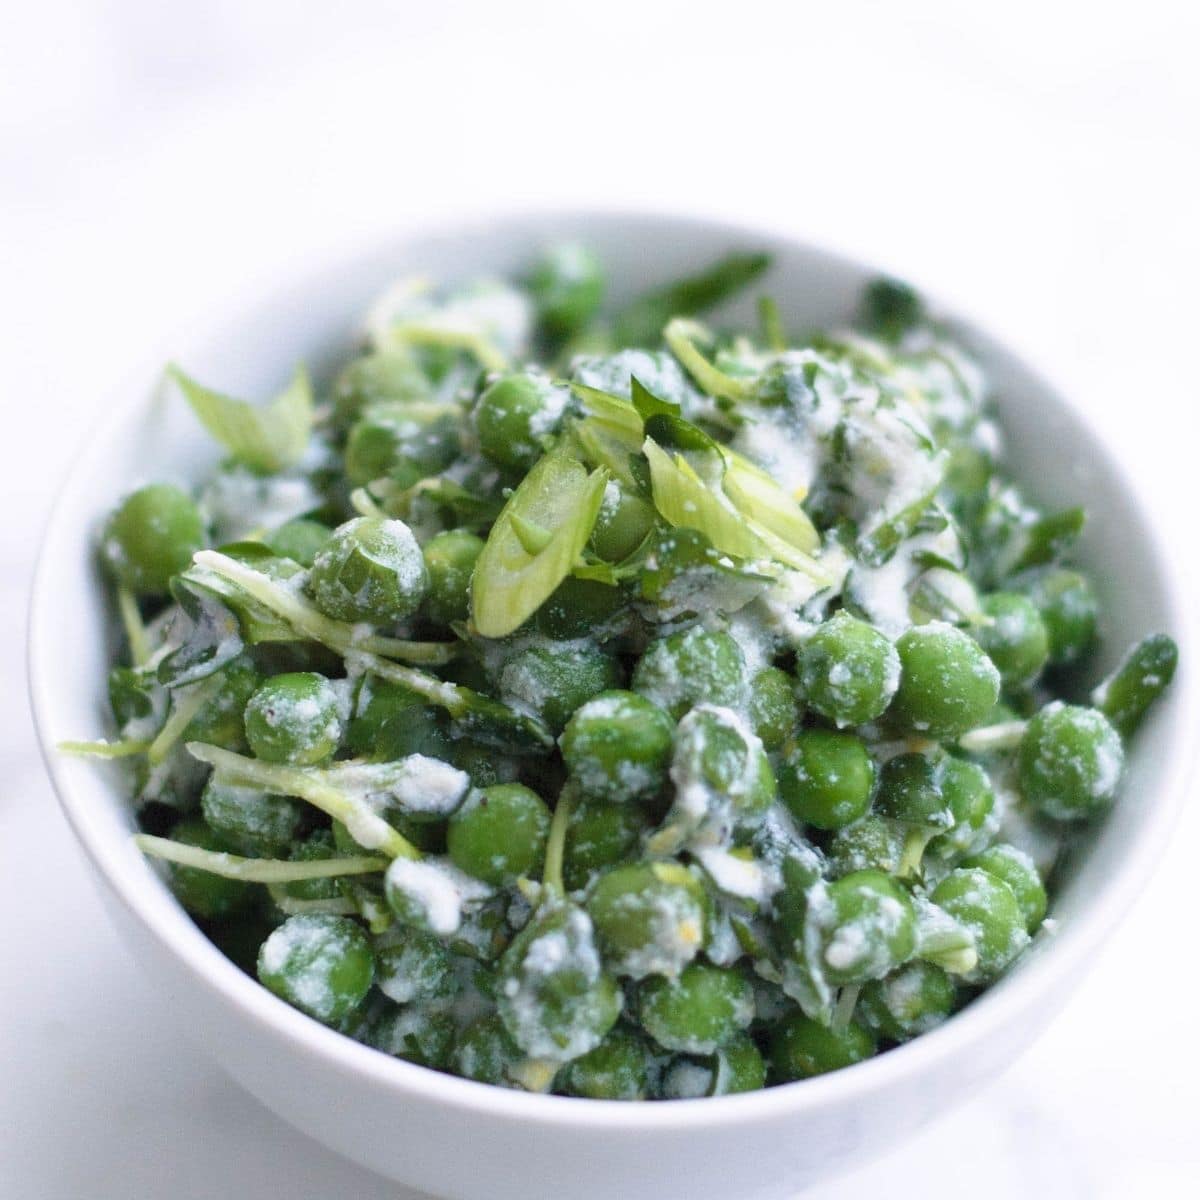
x=774 y=713
x=578 y=608
x=699 y=1010
x=948 y=685
x=485 y=765
x=300 y=540
x=294 y=719
x=890 y=308
x=1069 y=762
x=801 y=1048
x=827 y=779
x=320 y=964
x=254 y=822
x=600 y=833
x=554 y=997
x=910 y=792
x=411 y=965
x=393 y=722
x=1016 y=639
x=987 y=907
x=554 y=682
x=371 y=569
x=415 y=1033
x=870 y=843
x=649 y=918
x=485 y=1051
x=691 y=667
x=910 y=1001
x=151 y=536
x=739 y=1067
x=317 y=846
x=221 y=721
x=723 y=780
x=402 y=440
x=499 y=833
x=868 y=926
x=203 y=894
x=567 y=285
x=1018 y=870
x=848 y=670
x=621 y=1067
x=617 y=746
x=1067 y=603
x=449 y=560
x=622 y=524
x=967 y=791
x=516 y=416
x=376 y=378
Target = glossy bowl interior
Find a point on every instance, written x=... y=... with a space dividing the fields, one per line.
x=456 y=1138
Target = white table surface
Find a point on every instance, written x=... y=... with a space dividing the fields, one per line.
x=1037 y=163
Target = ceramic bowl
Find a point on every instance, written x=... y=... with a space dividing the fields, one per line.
x=456 y=1138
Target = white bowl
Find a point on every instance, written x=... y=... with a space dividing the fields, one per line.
x=456 y=1138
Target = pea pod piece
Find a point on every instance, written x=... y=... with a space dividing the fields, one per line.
x=535 y=542
x=1140 y=678
x=1043 y=541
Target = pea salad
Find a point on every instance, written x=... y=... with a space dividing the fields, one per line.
x=589 y=700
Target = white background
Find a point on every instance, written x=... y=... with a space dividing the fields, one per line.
x=1035 y=161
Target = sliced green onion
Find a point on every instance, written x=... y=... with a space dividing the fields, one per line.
x=683 y=498
x=517 y=571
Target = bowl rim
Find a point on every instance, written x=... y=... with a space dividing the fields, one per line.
x=170 y=926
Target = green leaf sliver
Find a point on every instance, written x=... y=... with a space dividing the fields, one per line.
x=266 y=438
